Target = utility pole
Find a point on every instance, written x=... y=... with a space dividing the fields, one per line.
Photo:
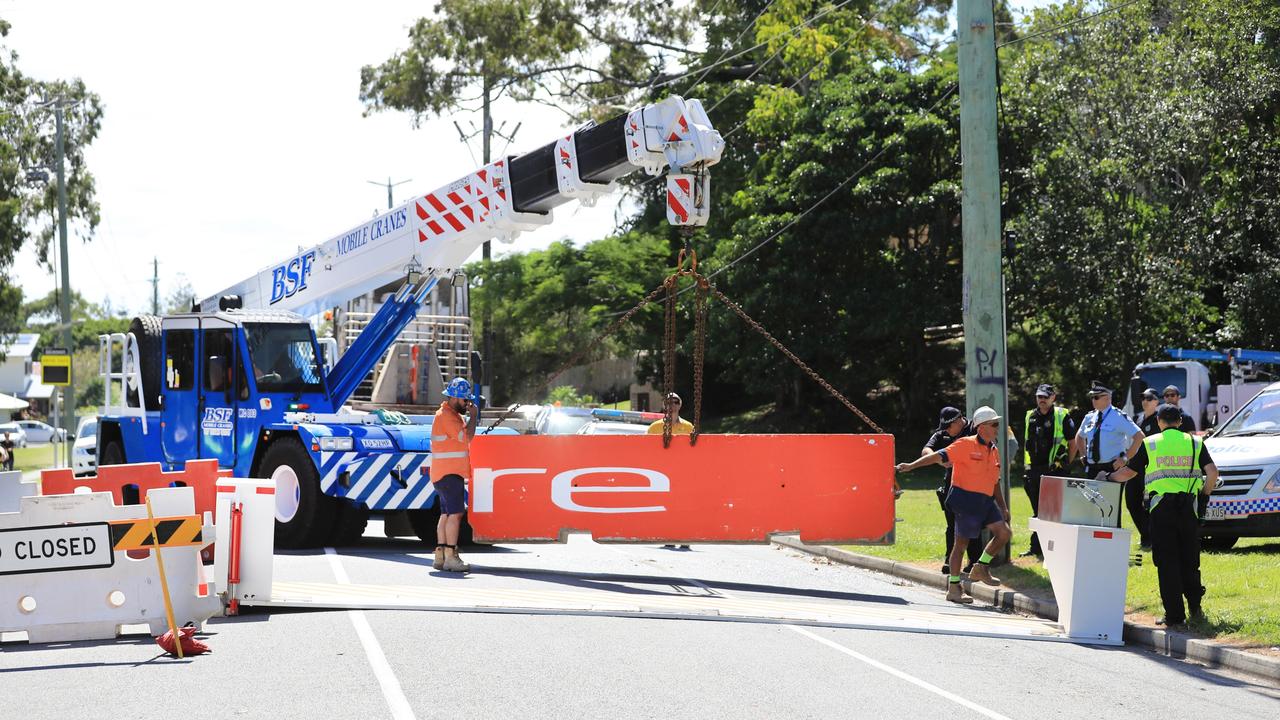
x=155 y=285
x=486 y=371
x=64 y=304
x=389 y=185
x=982 y=302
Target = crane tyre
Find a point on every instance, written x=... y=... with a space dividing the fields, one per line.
x=305 y=516
x=146 y=330
x=351 y=520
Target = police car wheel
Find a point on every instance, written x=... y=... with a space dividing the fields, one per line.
x=304 y=515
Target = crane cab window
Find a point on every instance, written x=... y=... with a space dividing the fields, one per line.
x=222 y=366
x=284 y=357
x=179 y=359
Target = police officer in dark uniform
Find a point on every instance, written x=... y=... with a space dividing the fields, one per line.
x=1047 y=448
x=1134 y=498
x=1173 y=396
x=951 y=426
x=1180 y=476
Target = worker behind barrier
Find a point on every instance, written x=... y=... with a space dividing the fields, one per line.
x=451 y=436
x=679 y=426
x=1047 y=435
x=951 y=425
x=671 y=407
x=975 y=497
x=1179 y=478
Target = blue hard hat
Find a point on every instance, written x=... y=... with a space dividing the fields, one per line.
x=458 y=388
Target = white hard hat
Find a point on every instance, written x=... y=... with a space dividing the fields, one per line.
x=984 y=414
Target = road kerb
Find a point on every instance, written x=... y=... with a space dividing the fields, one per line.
x=1173 y=644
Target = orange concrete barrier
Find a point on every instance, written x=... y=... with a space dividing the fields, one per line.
x=199 y=475
x=727 y=488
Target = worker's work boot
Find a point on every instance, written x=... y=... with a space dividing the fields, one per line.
x=453 y=563
x=981 y=573
x=438 y=562
x=956 y=595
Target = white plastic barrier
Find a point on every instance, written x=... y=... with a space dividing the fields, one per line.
x=257 y=500
x=13 y=488
x=1089 y=568
x=66 y=574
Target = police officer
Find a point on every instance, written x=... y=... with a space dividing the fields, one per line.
x=1180 y=476
x=1046 y=440
x=1134 y=499
x=1173 y=396
x=1107 y=439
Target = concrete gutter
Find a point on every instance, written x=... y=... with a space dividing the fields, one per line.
x=1166 y=642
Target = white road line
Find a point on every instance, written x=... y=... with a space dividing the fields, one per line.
x=877 y=664
x=391 y=690
x=899 y=674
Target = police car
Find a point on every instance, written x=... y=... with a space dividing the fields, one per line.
x=1246 y=450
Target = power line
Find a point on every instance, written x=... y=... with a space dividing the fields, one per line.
x=1063 y=26
x=824 y=198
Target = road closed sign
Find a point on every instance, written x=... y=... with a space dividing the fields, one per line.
x=55 y=547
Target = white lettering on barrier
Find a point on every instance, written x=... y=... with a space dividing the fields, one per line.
x=58 y=547
x=562 y=489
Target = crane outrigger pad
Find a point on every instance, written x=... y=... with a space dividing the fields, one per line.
x=726 y=488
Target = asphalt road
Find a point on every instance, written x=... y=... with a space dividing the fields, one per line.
x=370 y=664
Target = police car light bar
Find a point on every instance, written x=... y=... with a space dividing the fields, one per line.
x=630 y=416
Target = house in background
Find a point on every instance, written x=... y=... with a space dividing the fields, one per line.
x=20 y=375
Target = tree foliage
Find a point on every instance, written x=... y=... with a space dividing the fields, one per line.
x=28 y=189
x=1142 y=159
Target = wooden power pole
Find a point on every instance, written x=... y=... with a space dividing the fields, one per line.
x=983 y=290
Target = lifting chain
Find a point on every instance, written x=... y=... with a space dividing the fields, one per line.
x=613 y=327
x=669 y=341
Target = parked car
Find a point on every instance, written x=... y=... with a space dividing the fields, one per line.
x=38 y=432
x=561 y=420
x=601 y=427
x=1246 y=450
x=84 y=451
x=16 y=434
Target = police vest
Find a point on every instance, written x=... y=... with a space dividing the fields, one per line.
x=1059 y=438
x=449 y=445
x=1173 y=463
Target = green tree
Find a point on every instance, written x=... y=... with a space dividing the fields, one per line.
x=474 y=51
x=1142 y=172
x=28 y=191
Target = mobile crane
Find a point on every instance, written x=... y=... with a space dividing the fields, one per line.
x=242 y=378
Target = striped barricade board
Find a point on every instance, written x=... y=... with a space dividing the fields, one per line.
x=78 y=567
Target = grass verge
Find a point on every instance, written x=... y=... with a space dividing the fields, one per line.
x=34 y=457
x=1243 y=582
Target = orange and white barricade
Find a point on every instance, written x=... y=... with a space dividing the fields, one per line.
x=78 y=567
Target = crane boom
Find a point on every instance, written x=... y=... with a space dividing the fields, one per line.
x=434 y=234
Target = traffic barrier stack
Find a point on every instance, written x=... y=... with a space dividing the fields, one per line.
x=69 y=573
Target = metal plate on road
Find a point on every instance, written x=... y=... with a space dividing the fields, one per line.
x=55 y=547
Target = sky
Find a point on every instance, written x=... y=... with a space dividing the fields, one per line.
x=233 y=136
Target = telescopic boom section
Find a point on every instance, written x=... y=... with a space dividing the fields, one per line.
x=433 y=234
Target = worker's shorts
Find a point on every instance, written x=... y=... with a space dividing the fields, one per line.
x=973 y=511
x=452 y=490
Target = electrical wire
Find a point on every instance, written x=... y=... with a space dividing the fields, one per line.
x=1063 y=26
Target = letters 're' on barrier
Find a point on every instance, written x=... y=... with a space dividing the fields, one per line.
x=727 y=488
x=66 y=572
